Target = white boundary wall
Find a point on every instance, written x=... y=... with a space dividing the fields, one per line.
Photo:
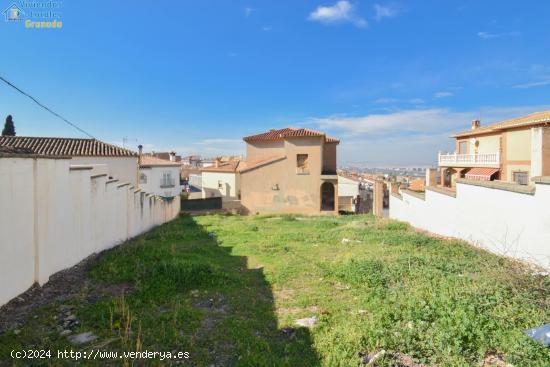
x=54 y=215
x=505 y=222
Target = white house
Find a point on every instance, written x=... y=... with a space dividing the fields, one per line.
x=222 y=180
x=159 y=176
x=354 y=194
x=121 y=163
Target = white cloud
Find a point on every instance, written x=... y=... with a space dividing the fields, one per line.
x=425 y=121
x=443 y=94
x=416 y=101
x=341 y=12
x=248 y=11
x=490 y=36
x=411 y=136
x=533 y=84
x=384 y=11
x=266 y=29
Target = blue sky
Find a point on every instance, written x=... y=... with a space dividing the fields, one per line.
x=391 y=79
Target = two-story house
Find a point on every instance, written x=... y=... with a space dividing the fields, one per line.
x=289 y=170
x=159 y=176
x=514 y=150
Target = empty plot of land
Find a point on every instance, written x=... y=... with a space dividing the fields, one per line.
x=289 y=291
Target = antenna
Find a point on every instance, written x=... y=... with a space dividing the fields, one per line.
x=125 y=141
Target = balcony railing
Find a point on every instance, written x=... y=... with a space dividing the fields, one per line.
x=166 y=183
x=482 y=159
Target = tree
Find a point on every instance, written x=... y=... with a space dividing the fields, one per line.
x=9 y=127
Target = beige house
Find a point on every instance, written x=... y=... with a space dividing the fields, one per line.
x=289 y=170
x=514 y=150
x=121 y=163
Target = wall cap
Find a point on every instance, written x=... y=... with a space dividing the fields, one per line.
x=112 y=180
x=499 y=185
x=80 y=167
x=98 y=175
x=398 y=196
x=123 y=184
x=541 y=179
x=441 y=190
x=418 y=195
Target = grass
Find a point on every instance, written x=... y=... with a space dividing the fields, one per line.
x=228 y=289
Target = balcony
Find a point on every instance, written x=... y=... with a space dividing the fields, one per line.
x=167 y=183
x=469 y=160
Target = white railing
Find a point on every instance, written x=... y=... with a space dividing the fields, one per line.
x=482 y=159
x=167 y=182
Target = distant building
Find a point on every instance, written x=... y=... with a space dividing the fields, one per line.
x=354 y=193
x=514 y=150
x=159 y=176
x=121 y=163
x=222 y=180
x=289 y=170
x=167 y=156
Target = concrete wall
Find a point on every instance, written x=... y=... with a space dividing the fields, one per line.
x=230 y=185
x=329 y=157
x=53 y=216
x=512 y=222
x=122 y=168
x=154 y=177
x=258 y=150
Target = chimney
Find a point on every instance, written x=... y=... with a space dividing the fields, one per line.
x=475 y=124
x=140 y=152
x=172 y=156
x=218 y=160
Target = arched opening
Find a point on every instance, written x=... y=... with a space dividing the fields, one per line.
x=327 y=196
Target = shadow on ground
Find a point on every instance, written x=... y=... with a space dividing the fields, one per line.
x=174 y=289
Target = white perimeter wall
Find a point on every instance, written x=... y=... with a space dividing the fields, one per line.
x=122 y=168
x=504 y=222
x=52 y=217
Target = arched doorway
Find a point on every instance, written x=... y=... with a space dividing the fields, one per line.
x=327 y=196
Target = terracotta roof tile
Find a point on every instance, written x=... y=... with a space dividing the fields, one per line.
x=148 y=161
x=65 y=146
x=536 y=118
x=230 y=166
x=246 y=166
x=288 y=132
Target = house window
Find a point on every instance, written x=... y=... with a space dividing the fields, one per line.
x=220 y=185
x=143 y=178
x=167 y=180
x=521 y=178
x=302 y=165
x=463 y=147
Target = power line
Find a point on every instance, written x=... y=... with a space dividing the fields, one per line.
x=46 y=108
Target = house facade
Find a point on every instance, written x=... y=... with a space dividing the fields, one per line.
x=222 y=180
x=354 y=194
x=514 y=150
x=159 y=176
x=121 y=163
x=289 y=170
